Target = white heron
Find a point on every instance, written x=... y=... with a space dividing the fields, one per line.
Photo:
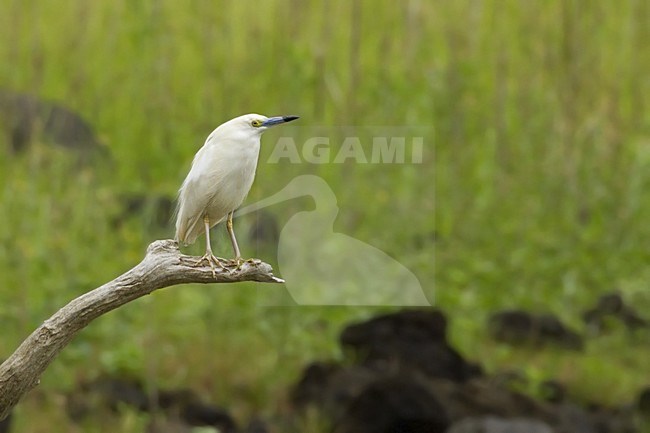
x=222 y=173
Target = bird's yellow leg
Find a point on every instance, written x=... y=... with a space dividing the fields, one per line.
x=233 y=239
x=209 y=257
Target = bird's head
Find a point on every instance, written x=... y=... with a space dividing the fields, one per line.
x=258 y=123
x=248 y=126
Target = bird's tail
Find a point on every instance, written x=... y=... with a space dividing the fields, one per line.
x=187 y=229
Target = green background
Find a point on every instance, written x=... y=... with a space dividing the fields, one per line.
x=533 y=191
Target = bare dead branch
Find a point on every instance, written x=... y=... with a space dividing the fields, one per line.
x=163 y=266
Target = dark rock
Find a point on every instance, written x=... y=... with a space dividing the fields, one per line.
x=155 y=211
x=510 y=379
x=331 y=387
x=522 y=328
x=408 y=340
x=187 y=406
x=108 y=392
x=632 y=320
x=572 y=418
x=425 y=240
x=512 y=326
x=610 y=303
x=26 y=118
x=313 y=383
x=179 y=407
x=121 y=391
x=391 y=406
x=552 y=391
x=595 y=321
x=611 y=307
x=417 y=326
x=614 y=420
x=117 y=392
x=481 y=397
x=643 y=402
x=264 y=230
x=404 y=377
x=499 y=425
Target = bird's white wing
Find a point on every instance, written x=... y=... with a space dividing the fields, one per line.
x=221 y=175
x=196 y=193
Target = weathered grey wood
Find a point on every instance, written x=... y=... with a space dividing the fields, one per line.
x=163 y=266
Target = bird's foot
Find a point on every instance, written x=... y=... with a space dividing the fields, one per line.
x=237 y=263
x=212 y=260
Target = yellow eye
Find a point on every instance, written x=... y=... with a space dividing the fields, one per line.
x=256 y=123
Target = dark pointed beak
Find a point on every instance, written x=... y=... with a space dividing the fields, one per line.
x=271 y=121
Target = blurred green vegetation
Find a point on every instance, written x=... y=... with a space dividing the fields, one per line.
x=533 y=191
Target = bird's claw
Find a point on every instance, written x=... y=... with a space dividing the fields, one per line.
x=232 y=265
x=237 y=262
x=212 y=260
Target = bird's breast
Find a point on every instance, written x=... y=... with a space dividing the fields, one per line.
x=236 y=166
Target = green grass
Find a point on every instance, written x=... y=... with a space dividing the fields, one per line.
x=537 y=189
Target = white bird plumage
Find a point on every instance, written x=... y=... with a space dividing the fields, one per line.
x=221 y=176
